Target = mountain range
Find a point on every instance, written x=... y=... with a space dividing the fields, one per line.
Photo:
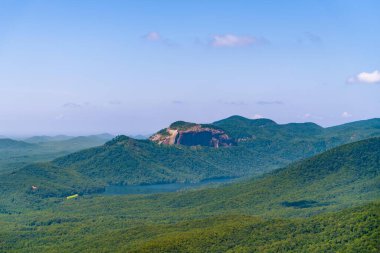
x=325 y=203
x=259 y=146
x=14 y=154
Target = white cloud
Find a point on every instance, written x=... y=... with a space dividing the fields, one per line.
x=230 y=40
x=257 y=116
x=153 y=36
x=114 y=102
x=346 y=115
x=72 y=105
x=307 y=115
x=232 y=102
x=366 y=77
x=275 y=102
x=59 y=117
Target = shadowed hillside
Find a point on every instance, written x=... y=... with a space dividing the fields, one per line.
x=128 y=161
x=344 y=179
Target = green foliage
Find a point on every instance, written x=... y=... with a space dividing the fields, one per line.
x=17 y=154
x=352 y=230
x=181 y=125
x=287 y=210
x=128 y=161
x=13 y=144
x=240 y=127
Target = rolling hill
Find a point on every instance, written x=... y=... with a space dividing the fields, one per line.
x=46 y=138
x=13 y=144
x=14 y=154
x=341 y=177
x=261 y=146
x=57 y=138
x=351 y=230
x=344 y=175
x=291 y=209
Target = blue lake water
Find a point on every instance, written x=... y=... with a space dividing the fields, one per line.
x=161 y=188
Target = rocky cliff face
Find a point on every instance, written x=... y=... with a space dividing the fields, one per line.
x=190 y=134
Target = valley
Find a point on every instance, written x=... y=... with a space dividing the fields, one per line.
x=306 y=201
x=261 y=146
x=189 y=126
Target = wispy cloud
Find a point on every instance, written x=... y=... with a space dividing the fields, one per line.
x=71 y=105
x=156 y=37
x=235 y=103
x=310 y=38
x=232 y=40
x=307 y=115
x=275 y=102
x=365 y=77
x=257 y=116
x=59 y=117
x=152 y=36
x=177 y=102
x=114 y=102
x=346 y=115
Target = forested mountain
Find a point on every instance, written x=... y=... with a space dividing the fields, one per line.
x=14 y=154
x=47 y=138
x=291 y=210
x=351 y=230
x=346 y=174
x=261 y=146
x=13 y=144
x=248 y=129
x=58 y=138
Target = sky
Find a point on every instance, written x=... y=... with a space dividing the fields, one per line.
x=133 y=67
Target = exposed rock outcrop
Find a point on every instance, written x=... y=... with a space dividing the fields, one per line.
x=189 y=134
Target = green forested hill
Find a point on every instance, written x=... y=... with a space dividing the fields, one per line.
x=343 y=175
x=351 y=230
x=263 y=146
x=240 y=127
x=58 y=138
x=13 y=144
x=288 y=210
x=16 y=154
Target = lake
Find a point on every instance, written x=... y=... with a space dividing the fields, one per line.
x=160 y=188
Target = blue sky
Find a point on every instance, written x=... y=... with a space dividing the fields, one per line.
x=83 y=67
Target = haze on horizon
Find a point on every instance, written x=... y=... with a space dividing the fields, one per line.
x=130 y=67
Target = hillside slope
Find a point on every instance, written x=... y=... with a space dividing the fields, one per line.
x=127 y=161
x=346 y=174
x=351 y=230
x=220 y=219
x=13 y=144
x=16 y=154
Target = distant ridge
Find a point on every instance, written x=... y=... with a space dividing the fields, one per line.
x=15 y=154
x=46 y=138
x=9 y=143
x=243 y=129
x=261 y=146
